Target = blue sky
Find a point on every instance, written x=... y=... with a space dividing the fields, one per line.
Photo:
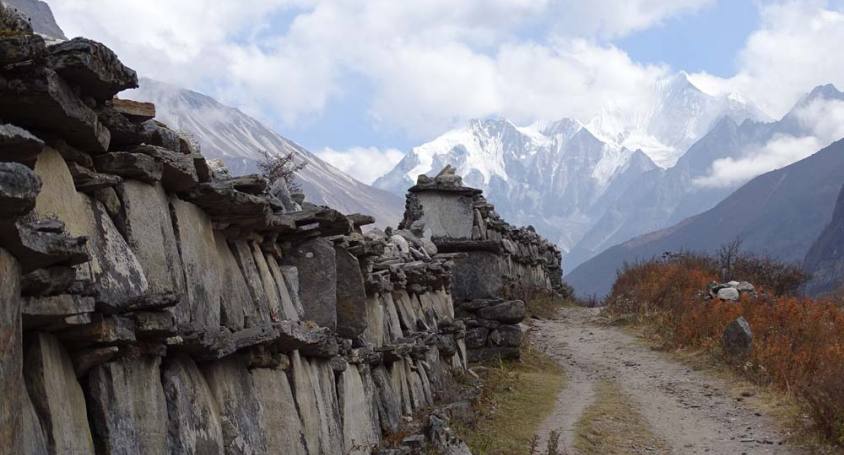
x=684 y=42
x=361 y=81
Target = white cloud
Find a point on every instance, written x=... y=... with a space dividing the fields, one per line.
x=431 y=64
x=612 y=18
x=363 y=163
x=780 y=151
x=824 y=119
x=797 y=47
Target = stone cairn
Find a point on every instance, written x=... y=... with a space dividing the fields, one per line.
x=492 y=260
x=152 y=304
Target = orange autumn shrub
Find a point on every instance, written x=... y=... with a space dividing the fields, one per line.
x=798 y=343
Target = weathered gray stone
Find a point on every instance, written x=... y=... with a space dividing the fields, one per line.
x=351 y=295
x=42 y=243
x=194 y=425
x=280 y=417
x=45 y=311
x=19 y=187
x=240 y=408
x=401 y=386
x=134 y=110
x=245 y=258
x=85 y=359
x=478 y=275
x=731 y=294
x=108 y=197
x=319 y=416
x=131 y=166
x=127 y=406
x=120 y=279
x=145 y=221
x=178 y=171
x=315 y=260
x=102 y=330
x=374 y=314
x=392 y=324
x=744 y=286
x=157 y=133
x=18 y=48
x=291 y=279
x=443 y=440
x=33 y=440
x=388 y=400
x=506 y=335
x=268 y=282
x=288 y=308
x=89 y=181
x=476 y=337
x=447 y=214
x=332 y=441
x=236 y=306
x=360 y=431
x=737 y=339
x=57 y=396
x=509 y=312
x=19 y=145
x=11 y=349
x=195 y=235
x=37 y=98
x=116 y=272
x=91 y=66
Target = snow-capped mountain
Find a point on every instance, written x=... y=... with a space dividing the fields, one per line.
x=667 y=196
x=226 y=133
x=554 y=176
x=678 y=116
x=565 y=176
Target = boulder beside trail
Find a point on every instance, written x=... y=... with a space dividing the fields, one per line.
x=738 y=338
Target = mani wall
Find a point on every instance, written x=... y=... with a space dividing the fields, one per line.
x=152 y=304
x=495 y=261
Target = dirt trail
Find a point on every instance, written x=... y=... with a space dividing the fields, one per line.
x=692 y=411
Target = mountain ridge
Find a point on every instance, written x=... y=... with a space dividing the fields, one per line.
x=226 y=133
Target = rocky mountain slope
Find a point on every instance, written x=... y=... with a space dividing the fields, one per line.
x=569 y=179
x=664 y=197
x=825 y=259
x=226 y=133
x=779 y=214
x=39 y=15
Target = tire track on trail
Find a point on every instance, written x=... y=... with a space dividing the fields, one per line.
x=695 y=413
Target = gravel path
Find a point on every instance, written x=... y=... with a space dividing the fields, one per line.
x=691 y=410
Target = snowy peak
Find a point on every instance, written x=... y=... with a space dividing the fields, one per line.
x=826 y=92
x=226 y=133
x=679 y=114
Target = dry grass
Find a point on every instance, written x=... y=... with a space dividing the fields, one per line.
x=612 y=425
x=517 y=396
x=798 y=344
x=546 y=306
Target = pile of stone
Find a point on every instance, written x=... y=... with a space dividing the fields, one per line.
x=730 y=291
x=151 y=303
x=492 y=260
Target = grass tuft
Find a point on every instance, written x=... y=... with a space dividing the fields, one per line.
x=516 y=397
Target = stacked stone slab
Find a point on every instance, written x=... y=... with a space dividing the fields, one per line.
x=492 y=260
x=151 y=305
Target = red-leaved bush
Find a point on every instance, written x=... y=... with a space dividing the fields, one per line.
x=798 y=343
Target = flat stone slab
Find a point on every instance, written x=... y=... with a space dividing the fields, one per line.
x=91 y=66
x=19 y=186
x=37 y=98
x=18 y=144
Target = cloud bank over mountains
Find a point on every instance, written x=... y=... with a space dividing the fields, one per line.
x=423 y=67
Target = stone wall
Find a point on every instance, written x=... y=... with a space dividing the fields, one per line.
x=494 y=262
x=150 y=304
